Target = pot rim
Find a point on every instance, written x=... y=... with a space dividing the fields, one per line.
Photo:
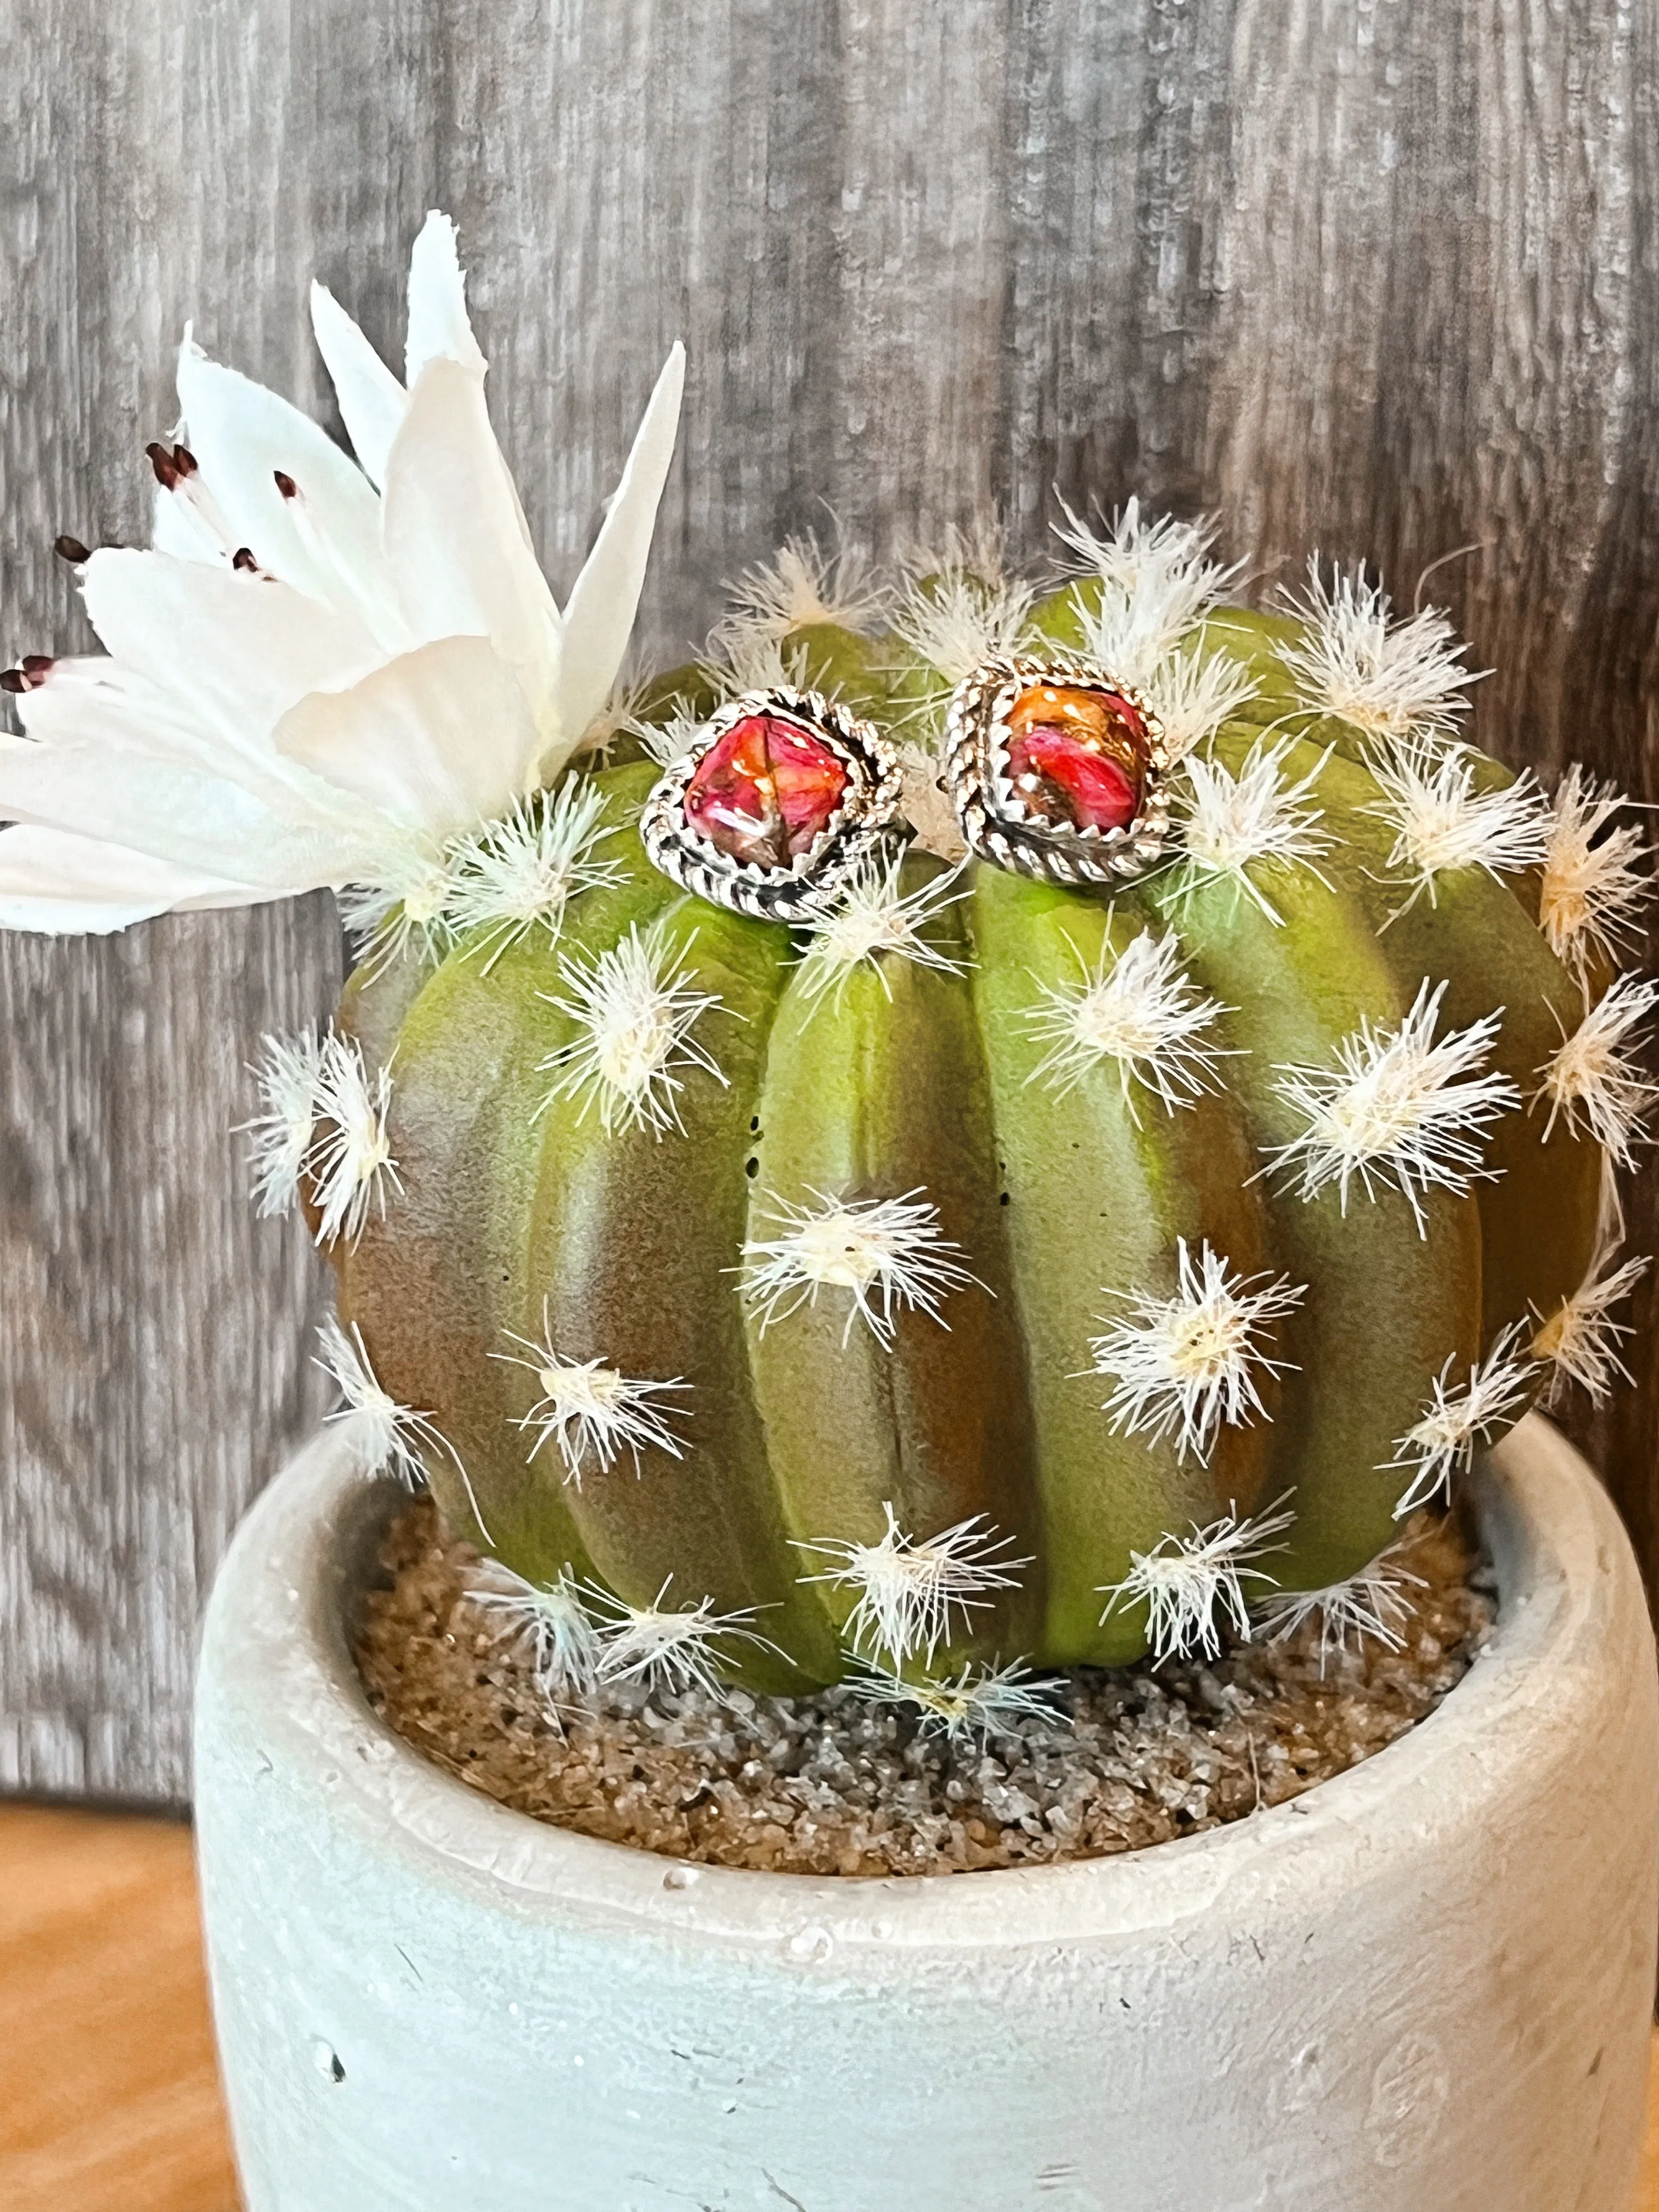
x=278 y=1679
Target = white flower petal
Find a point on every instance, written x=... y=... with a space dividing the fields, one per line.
x=242 y=435
x=198 y=822
x=598 y=615
x=93 y=700
x=64 y=886
x=438 y=327
x=438 y=740
x=372 y=401
x=176 y=529
x=241 y=649
x=455 y=538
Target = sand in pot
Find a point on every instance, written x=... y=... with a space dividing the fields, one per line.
x=835 y=1783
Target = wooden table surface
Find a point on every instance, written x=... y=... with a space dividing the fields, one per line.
x=108 y=2098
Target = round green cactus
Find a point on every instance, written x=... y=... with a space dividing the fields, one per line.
x=1000 y=1272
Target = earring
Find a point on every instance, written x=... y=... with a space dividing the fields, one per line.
x=1055 y=769
x=777 y=801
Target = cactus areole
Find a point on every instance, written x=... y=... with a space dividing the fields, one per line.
x=980 y=1273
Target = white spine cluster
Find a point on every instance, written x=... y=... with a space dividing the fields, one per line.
x=1442 y=820
x=1593 y=1082
x=1397 y=1110
x=958 y=610
x=1370 y=1607
x=670 y=739
x=589 y=1412
x=1458 y=1418
x=387 y=1438
x=1139 y=1009
x=735 y=664
x=1185 y=1365
x=635 y=1014
x=518 y=875
x=1135 y=545
x=909 y=1587
x=350 y=1162
x=871 y=918
x=665 y=1648
x=404 y=907
x=1229 y=822
x=1155 y=584
x=1581 y=1339
x=1357 y=662
x=803 y=583
x=1190 y=1584
x=550 y=1617
x=288 y=1073
x=1596 y=884
x=888 y=1252
x=1192 y=696
x=979 y=1701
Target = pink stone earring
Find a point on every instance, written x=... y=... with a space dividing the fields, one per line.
x=780 y=796
x=1056 y=768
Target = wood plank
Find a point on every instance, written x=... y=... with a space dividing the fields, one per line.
x=111 y=2094
x=1377 y=280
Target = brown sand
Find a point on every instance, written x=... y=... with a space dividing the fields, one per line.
x=833 y=1784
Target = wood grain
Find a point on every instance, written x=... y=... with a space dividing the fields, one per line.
x=112 y=2101
x=1369 y=276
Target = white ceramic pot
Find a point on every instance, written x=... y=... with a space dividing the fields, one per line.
x=1425 y=1986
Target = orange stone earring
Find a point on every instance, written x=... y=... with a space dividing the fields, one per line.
x=772 y=805
x=1056 y=769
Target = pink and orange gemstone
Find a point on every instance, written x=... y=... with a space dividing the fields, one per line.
x=765 y=790
x=1078 y=756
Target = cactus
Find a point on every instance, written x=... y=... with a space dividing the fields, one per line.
x=972 y=1274
x=996 y=1270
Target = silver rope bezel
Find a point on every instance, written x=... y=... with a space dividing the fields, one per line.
x=988 y=808
x=867 y=811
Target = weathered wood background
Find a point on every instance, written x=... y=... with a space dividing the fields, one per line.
x=1380 y=277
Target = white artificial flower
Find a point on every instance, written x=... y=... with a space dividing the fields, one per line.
x=324 y=670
